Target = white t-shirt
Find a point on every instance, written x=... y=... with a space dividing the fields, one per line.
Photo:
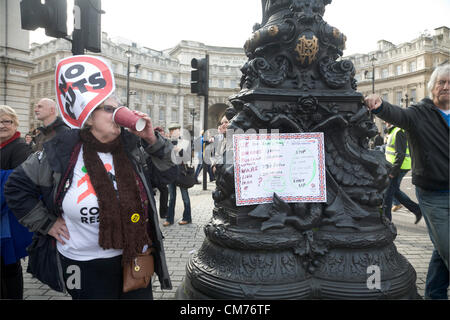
x=81 y=213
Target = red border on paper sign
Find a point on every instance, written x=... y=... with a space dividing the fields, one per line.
x=101 y=96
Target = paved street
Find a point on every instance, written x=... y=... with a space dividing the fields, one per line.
x=182 y=241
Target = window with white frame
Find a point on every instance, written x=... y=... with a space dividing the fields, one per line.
x=398 y=98
x=174 y=115
x=162 y=115
x=413 y=95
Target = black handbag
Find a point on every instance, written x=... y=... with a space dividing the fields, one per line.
x=43 y=262
x=186 y=177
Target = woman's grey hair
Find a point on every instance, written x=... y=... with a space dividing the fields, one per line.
x=439 y=71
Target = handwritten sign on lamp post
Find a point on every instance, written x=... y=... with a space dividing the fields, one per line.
x=292 y=165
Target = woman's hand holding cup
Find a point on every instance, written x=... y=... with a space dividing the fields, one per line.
x=137 y=122
x=148 y=133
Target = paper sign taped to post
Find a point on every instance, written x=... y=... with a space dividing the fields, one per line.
x=82 y=83
x=292 y=165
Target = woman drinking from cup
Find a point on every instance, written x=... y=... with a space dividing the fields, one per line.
x=97 y=201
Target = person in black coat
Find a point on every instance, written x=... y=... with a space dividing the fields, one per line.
x=46 y=111
x=162 y=187
x=14 y=237
x=426 y=124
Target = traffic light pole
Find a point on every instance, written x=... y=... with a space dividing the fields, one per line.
x=205 y=123
x=77 y=34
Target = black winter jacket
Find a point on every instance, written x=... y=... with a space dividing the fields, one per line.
x=13 y=154
x=31 y=190
x=48 y=132
x=428 y=137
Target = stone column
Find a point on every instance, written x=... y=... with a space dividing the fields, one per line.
x=15 y=63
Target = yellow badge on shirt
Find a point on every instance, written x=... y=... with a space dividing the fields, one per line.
x=135 y=218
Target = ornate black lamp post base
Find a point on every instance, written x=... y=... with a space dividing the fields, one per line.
x=294 y=82
x=245 y=263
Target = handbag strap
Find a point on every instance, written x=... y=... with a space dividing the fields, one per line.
x=145 y=204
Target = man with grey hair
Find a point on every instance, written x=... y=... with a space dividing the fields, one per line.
x=426 y=124
x=46 y=111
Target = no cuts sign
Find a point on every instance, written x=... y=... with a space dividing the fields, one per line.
x=82 y=83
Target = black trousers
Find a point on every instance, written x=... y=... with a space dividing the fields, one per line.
x=99 y=279
x=11 y=281
x=163 y=200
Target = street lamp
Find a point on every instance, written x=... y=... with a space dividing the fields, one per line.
x=136 y=68
x=373 y=59
x=407 y=100
x=193 y=114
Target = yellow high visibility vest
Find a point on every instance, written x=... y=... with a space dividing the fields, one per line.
x=390 y=150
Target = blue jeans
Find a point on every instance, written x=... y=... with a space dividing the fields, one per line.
x=394 y=191
x=172 y=200
x=210 y=172
x=437 y=282
x=435 y=210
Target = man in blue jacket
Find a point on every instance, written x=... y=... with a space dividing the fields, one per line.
x=427 y=128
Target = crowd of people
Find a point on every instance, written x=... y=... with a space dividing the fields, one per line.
x=92 y=229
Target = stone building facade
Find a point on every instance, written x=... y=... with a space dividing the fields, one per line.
x=161 y=85
x=402 y=71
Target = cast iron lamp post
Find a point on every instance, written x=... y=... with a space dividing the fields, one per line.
x=193 y=114
x=294 y=82
x=373 y=59
x=407 y=100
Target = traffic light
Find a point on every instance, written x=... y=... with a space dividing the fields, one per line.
x=87 y=26
x=52 y=16
x=200 y=76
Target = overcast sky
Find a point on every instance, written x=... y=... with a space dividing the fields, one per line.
x=161 y=24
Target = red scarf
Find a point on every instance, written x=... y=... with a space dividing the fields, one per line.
x=14 y=137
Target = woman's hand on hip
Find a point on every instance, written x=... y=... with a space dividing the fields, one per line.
x=59 y=230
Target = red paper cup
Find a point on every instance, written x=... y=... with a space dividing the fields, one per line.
x=126 y=118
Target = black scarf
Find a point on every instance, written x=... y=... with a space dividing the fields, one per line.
x=123 y=222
